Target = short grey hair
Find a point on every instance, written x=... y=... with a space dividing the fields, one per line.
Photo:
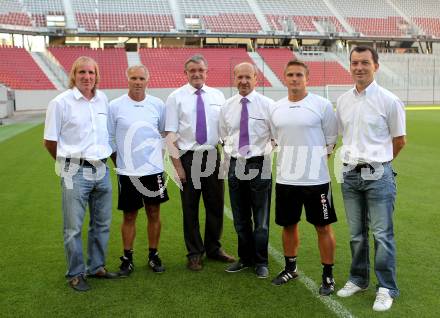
x=198 y=58
x=135 y=67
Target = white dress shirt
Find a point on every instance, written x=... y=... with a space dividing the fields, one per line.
x=78 y=125
x=181 y=115
x=135 y=131
x=303 y=130
x=368 y=121
x=258 y=125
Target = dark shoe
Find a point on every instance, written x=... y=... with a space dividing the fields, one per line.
x=195 y=263
x=222 y=257
x=103 y=273
x=284 y=276
x=236 y=267
x=155 y=263
x=327 y=287
x=79 y=283
x=126 y=267
x=262 y=271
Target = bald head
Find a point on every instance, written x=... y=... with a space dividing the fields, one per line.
x=245 y=78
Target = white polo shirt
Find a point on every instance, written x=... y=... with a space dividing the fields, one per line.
x=135 y=131
x=258 y=124
x=79 y=126
x=368 y=121
x=303 y=130
x=181 y=115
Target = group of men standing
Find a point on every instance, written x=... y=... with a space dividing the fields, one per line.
x=82 y=131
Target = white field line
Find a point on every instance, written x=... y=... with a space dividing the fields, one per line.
x=336 y=307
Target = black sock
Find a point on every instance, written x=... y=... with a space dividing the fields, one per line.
x=129 y=254
x=290 y=263
x=327 y=270
x=152 y=252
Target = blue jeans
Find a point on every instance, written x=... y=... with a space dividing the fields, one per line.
x=250 y=200
x=86 y=187
x=370 y=204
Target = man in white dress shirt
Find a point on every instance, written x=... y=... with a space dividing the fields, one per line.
x=192 y=115
x=76 y=136
x=136 y=122
x=371 y=121
x=305 y=128
x=245 y=130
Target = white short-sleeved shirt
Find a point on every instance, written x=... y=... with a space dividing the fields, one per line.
x=135 y=131
x=181 y=115
x=78 y=125
x=303 y=130
x=368 y=121
x=258 y=124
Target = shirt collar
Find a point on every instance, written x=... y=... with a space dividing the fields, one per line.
x=193 y=90
x=78 y=95
x=251 y=96
x=368 y=91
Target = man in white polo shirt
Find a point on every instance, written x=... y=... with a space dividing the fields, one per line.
x=371 y=121
x=75 y=134
x=305 y=129
x=136 y=122
x=245 y=130
x=192 y=114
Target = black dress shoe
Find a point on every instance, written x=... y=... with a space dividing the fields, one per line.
x=103 y=273
x=78 y=283
x=222 y=257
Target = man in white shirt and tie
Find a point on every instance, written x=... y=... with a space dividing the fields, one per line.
x=245 y=130
x=76 y=136
x=192 y=114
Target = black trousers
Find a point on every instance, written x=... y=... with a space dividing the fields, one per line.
x=202 y=170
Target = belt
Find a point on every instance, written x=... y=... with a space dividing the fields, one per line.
x=359 y=167
x=86 y=163
x=256 y=159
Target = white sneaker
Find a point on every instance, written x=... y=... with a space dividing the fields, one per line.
x=383 y=300
x=349 y=289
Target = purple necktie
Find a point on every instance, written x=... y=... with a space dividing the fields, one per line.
x=243 y=142
x=201 y=135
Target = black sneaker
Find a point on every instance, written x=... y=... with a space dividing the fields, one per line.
x=236 y=267
x=126 y=267
x=284 y=276
x=327 y=287
x=155 y=263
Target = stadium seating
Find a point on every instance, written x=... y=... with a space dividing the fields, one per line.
x=299 y=16
x=426 y=16
x=148 y=15
x=166 y=65
x=373 y=18
x=321 y=72
x=19 y=71
x=276 y=59
x=112 y=63
x=13 y=13
x=225 y=16
x=40 y=9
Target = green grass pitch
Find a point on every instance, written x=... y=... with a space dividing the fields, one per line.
x=32 y=262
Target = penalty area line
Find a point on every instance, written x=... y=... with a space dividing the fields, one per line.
x=336 y=307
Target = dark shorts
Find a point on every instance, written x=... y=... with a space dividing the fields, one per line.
x=134 y=192
x=316 y=199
